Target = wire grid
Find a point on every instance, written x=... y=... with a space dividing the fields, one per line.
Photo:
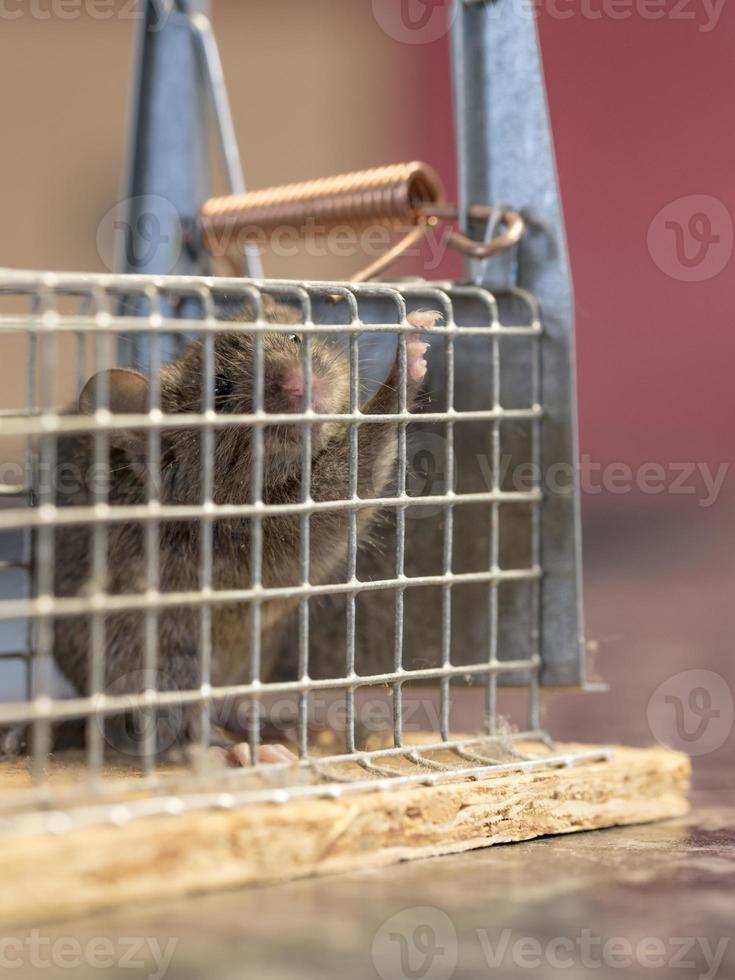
x=155 y=318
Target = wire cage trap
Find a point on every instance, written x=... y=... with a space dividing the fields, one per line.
x=450 y=591
x=252 y=500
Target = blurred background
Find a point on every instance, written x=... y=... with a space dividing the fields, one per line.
x=645 y=147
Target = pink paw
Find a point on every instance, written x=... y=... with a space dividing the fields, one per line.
x=238 y=754
x=416 y=362
x=415 y=347
x=424 y=319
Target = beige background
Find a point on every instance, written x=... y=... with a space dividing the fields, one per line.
x=316 y=89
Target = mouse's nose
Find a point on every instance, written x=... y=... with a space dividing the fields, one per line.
x=292 y=387
x=285 y=393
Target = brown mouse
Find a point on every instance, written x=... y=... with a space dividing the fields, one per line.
x=178 y=630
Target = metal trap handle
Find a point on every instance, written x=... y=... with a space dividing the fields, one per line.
x=407 y=197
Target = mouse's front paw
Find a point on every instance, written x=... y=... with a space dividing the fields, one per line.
x=416 y=347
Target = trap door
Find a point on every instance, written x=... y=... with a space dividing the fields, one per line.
x=505 y=154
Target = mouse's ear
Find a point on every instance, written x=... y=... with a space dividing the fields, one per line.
x=127 y=392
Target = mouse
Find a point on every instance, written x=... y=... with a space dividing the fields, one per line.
x=178 y=548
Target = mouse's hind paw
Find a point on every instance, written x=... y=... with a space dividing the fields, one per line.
x=238 y=755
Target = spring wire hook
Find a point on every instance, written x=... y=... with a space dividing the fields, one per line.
x=406 y=197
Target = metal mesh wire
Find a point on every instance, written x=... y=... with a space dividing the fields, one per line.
x=383 y=621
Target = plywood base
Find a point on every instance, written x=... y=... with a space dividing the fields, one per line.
x=54 y=876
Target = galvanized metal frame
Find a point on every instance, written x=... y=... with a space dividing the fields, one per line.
x=178 y=97
x=506 y=155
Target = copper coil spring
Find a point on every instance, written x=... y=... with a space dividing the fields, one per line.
x=400 y=197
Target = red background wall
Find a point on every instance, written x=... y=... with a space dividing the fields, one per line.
x=642 y=116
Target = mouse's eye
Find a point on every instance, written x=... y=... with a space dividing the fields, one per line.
x=294 y=338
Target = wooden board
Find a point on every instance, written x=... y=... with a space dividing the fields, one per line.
x=55 y=876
